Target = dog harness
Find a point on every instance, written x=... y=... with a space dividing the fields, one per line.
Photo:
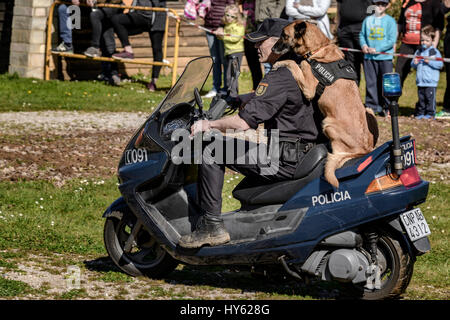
x=328 y=73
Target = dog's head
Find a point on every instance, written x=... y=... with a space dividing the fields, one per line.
x=302 y=37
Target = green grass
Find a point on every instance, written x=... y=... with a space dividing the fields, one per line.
x=117 y=277
x=13 y=288
x=36 y=216
x=73 y=294
x=21 y=94
x=433 y=268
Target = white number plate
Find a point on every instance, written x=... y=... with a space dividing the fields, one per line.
x=415 y=224
x=135 y=155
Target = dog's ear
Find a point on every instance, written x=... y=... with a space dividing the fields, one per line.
x=300 y=29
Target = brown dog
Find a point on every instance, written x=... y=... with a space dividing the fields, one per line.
x=351 y=128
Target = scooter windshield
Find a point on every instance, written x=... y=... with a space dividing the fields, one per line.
x=193 y=76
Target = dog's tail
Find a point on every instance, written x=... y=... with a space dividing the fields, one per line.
x=334 y=162
x=372 y=124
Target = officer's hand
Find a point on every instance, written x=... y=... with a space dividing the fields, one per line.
x=200 y=126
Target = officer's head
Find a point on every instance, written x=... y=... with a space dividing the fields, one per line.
x=267 y=34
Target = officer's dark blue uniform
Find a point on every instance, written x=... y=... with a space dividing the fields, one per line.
x=279 y=104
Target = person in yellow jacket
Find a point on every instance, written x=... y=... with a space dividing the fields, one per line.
x=232 y=35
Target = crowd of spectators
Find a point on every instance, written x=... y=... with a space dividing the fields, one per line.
x=361 y=24
x=107 y=21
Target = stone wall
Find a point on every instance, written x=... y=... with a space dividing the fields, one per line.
x=6 y=16
x=27 y=51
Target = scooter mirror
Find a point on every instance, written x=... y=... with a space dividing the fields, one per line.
x=198 y=100
x=392 y=87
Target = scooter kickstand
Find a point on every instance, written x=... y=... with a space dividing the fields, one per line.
x=131 y=239
x=286 y=268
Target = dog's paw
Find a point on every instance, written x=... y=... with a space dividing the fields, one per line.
x=279 y=64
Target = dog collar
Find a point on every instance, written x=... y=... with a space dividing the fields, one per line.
x=310 y=53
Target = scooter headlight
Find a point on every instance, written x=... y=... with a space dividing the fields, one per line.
x=143 y=141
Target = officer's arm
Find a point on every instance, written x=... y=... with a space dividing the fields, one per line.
x=231 y=122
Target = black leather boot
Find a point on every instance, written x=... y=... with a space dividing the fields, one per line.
x=209 y=230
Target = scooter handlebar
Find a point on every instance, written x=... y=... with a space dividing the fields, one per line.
x=217 y=110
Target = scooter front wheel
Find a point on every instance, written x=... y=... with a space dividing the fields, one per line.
x=134 y=250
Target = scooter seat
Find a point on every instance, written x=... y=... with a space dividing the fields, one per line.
x=251 y=192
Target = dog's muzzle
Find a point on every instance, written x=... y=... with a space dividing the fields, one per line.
x=280 y=47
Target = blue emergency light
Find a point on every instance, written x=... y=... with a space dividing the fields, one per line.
x=392 y=87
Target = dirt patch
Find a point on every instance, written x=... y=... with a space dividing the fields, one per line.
x=54 y=277
x=57 y=145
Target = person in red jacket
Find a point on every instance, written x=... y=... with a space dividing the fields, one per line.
x=414 y=16
x=213 y=20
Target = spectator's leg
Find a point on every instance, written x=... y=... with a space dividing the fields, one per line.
x=403 y=65
x=421 y=104
x=253 y=62
x=107 y=41
x=64 y=31
x=224 y=64
x=108 y=46
x=358 y=57
x=121 y=22
x=346 y=40
x=96 y=18
x=156 y=38
x=447 y=71
x=217 y=66
x=430 y=108
x=371 y=74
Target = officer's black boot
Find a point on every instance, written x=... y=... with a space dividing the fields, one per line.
x=210 y=230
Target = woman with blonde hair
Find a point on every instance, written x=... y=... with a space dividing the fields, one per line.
x=232 y=36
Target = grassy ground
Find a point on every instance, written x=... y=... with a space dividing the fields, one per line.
x=47 y=228
x=33 y=95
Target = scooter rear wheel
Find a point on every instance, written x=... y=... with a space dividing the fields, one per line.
x=397 y=274
x=134 y=250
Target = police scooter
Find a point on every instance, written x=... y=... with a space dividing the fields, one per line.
x=367 y=233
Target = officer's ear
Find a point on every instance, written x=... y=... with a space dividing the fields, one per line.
x=300 y=29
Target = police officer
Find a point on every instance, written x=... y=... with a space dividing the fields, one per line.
x=280 y=105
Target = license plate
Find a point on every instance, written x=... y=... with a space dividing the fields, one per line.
x=415 y=224
x=409 y=154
